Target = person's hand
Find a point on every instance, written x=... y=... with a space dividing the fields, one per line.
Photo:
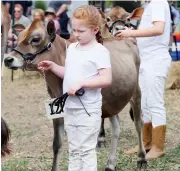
x=45 y=65
x=74 y=89
x=57 y=17
x=174 y=27
x=124 y=33
x=9 y=43
x=14 y=37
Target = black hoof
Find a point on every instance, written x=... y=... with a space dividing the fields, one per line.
x=147 y=150
x=142 y=164
x=108 y=169
x=101 y=144
x=131 y=114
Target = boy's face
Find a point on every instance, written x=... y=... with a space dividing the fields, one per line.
x=82 y=32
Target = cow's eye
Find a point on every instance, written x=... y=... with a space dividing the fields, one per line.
x=35 y=40
x=108 y=19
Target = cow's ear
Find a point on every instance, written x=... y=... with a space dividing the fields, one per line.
x=34 y=25
x=136 y=14
x=51 y=29
x=101 y=13
x=27 y=32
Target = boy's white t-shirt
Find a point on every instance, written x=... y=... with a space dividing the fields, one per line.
x=84 y=64
x=156 y=10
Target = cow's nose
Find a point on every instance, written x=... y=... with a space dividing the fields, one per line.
x=8 y=61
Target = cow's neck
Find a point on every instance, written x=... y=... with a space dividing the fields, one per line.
x=58 y=56
x=105 y=33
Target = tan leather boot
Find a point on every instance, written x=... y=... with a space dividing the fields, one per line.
x=147 y=138
x=158 y=140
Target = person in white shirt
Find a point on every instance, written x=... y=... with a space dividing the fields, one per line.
x=153 y=36
x=175 y=15
x=87 y=66
x=19 y=18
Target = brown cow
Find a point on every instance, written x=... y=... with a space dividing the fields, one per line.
x=5 y=26
x=39 y=42
x=5 y=135
x=118 y=18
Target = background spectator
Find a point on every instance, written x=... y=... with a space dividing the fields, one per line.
x=38 y=13
x=25 y=4
x=175 y=15
x=19 y=18
x=50 y=14
x=20 y=22
x=61 y=12
x=12 y=37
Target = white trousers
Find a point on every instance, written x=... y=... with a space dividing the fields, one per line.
x=152 y=78
x=82 y=132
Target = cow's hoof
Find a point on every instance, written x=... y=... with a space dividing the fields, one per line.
x=108 y=169
x=101 y=144
x=131 y=114
x=142 y=164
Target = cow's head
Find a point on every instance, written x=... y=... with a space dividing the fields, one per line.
x=118 y=19
x=33 y=42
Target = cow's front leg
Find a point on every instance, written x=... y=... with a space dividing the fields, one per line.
x=115 y=124
x=57 y=142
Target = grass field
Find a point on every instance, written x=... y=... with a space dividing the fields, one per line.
x=32 y=133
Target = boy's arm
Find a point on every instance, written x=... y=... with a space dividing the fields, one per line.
x=58 y=70
x=104 y=79
x=156 y=30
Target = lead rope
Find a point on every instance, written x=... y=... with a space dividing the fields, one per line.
x=44 y=78
x=59 y=102
x=83 y=105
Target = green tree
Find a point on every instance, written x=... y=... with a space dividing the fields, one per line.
x=109 y=4
x=41 y=4
x=129 y=6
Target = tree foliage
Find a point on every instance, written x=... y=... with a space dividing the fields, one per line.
x=129 y=6
x=40 y=4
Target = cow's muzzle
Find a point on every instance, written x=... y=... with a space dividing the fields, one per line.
x=8 y=63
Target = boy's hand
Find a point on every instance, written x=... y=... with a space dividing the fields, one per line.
x=45 y=65
x=124 y=33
